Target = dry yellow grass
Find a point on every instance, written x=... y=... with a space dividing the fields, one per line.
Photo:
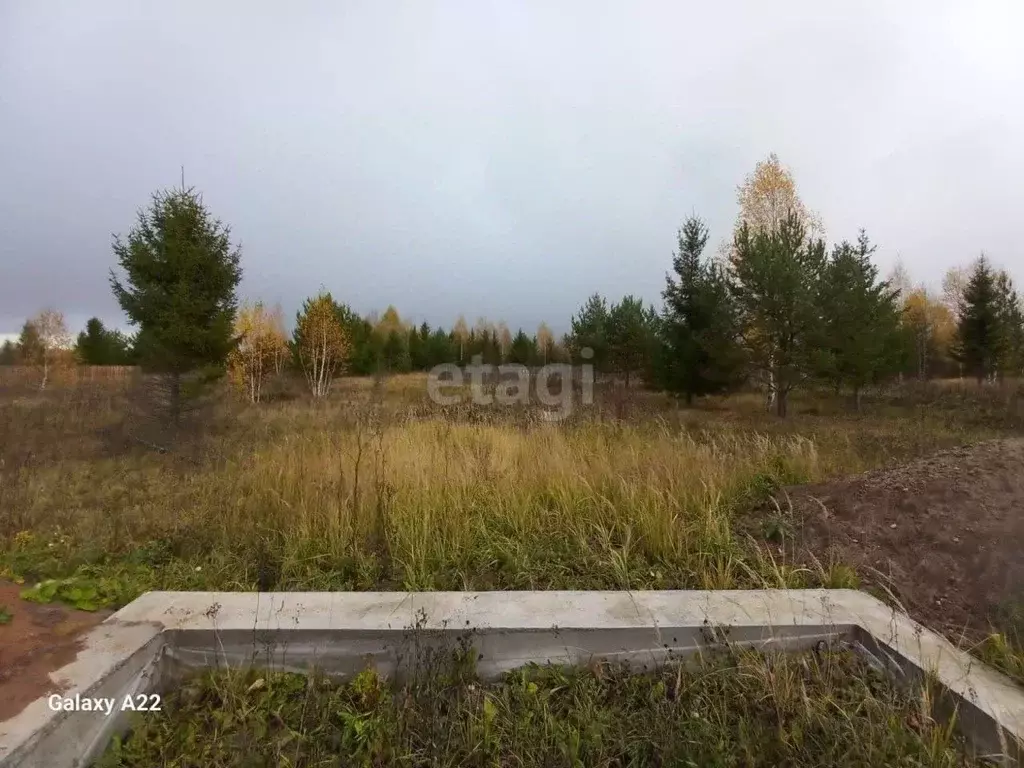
x=377 y=488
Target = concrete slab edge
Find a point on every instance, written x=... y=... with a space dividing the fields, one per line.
x=180 y=631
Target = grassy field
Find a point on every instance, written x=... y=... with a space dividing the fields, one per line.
x=380 y=489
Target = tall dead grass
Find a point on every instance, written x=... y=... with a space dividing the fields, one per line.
x=376 y=489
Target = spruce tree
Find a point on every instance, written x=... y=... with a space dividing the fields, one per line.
x=442 y=348
x=417 y=347
x=30 y=345
x=698 y=354
x=364 y=344
x=180 y=277
x=776 y=277
x=395 y=352
x=1010 y=317
x=523 y=350
x=590 y=331
x=97 y=345
x=629 y=337
x=860 y=334
x=978 y=332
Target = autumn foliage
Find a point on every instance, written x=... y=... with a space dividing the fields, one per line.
x=262 y=346
x=321 y=344
x=45 y=343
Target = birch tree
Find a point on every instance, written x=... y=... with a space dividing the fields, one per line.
x=766 y=198
x=320 y=344
x=460 y=333
x=504 y=337
x=52 y=342
x=277 y=328
x=260 y=348
x=545 y=342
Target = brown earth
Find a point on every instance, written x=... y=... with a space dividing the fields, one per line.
x=38 y=640
x=943 y=534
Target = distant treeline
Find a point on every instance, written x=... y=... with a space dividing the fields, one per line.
x=774 y=307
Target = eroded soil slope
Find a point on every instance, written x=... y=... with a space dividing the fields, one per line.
x=945 y=534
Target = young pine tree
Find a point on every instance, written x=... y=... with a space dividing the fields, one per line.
x=97 y=345
x=1010 y=319
x=523 y=349
x=395 y=352
x=364 y=344
x=442 y=348
x=860 y=334
x=30 y=345
x=699 y=353
x=180 y=277
x=590 y=331
x=419 y=347
x=629 y=337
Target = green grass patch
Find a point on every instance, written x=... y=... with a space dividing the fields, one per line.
x=732 y=708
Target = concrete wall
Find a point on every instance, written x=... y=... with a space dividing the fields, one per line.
x=164 y=635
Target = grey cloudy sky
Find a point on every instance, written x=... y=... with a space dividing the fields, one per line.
x=496 y=158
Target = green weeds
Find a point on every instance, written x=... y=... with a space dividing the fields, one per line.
x=736 y=708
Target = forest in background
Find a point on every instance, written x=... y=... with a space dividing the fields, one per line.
x=775 y=307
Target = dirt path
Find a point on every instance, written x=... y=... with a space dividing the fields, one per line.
x=38 y=640
x=945 y=534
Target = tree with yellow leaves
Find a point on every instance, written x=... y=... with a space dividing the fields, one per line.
x=390 y=322
x=504 y=336
x=277 y=328
x=461 y=334
x=320 y=342
x=953 y=284
x=768 y=195
x=545 y=342
x=261 y=347
x=931 y=328
x=46 y=343
x=767 y=199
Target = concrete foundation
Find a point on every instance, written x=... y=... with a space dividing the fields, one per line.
x=162 y=636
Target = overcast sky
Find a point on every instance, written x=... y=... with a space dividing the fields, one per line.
x=502 y=158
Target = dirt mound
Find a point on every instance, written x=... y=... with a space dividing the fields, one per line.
x=945 y=534
x=35 y=641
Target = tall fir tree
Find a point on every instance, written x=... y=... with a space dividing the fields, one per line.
x=442 y=348
x=590 y=331
x=699 y=352
x=395 y=353
x=418 y=338
x=181 y=273
x=776 y=278
x=978 y=332
x=30 y=345
x=1010 y=322
x=860 y=334
x=629 y=336
x=523 y=349
x=97 y=345
x=364 y=351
